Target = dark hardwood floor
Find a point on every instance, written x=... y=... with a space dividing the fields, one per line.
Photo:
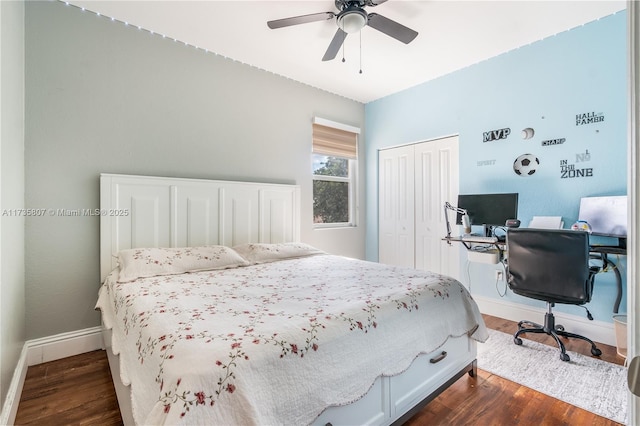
x=491 y=400
x=71 y=391
x=78 y=391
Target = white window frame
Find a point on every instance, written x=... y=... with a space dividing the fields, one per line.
x=351 y=179
x=352 y=167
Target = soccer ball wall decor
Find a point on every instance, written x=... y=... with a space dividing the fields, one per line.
x=526 y=165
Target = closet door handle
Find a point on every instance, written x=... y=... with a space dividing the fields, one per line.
x=438 y=358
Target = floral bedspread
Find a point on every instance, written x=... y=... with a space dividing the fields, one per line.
x=275 y=343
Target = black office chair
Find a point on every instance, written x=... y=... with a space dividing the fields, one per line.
x=550 y=265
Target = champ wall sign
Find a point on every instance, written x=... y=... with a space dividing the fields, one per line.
x=550 y=142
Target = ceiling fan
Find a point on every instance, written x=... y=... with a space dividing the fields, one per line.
x=351 y=18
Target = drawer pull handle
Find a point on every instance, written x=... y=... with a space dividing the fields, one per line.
x=439 y=358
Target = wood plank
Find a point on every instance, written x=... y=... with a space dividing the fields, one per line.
x=73 y=390
x=492 y=400
x=78 y=390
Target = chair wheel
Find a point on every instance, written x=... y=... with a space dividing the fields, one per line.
x=564 y=357
x=526 y=324
x=559 y=327
x=596 y=352
x=517 y=341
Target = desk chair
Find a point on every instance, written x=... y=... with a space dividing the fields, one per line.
x=550 y=265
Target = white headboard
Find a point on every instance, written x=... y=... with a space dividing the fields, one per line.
x=143 y=211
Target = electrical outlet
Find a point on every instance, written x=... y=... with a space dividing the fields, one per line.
x=499 y=275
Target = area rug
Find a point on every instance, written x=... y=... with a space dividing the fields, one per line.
x=596 y=386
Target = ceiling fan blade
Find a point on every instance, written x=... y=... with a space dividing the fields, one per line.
x=334 y=46
x=303 y=19
x=374 y=2
x=391 y=28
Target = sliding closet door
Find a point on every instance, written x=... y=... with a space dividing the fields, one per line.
x=396 y=206
x=436 y=181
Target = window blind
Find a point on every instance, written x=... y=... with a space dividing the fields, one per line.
x=334 y=142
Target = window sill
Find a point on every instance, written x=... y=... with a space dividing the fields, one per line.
x=333 y=226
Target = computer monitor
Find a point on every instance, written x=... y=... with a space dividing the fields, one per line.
x=488 y=210
x=607 y=216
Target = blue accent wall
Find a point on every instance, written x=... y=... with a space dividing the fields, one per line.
x=545 y=85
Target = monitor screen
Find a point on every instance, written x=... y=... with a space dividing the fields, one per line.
x=607 y=216
x=488 y=209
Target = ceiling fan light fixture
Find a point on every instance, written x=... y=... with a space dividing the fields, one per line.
x=352 y=20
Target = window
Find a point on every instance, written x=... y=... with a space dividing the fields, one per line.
x=334 y=163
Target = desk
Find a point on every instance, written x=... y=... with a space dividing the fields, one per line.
x=599 y=252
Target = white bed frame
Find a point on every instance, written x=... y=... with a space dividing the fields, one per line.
x=142 y=211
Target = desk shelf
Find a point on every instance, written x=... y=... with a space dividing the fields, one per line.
x=479 y=250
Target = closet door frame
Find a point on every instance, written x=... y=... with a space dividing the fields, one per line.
x=414 y=181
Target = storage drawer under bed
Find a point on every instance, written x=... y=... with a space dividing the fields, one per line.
x=391 y=397
x=428 y=372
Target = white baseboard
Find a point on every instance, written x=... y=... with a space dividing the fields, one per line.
x=598 y=331
x=63 y=345
x=42 y=350
x=10 y=406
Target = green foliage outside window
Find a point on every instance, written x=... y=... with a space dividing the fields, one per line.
x=331 y=166
x=331 y=197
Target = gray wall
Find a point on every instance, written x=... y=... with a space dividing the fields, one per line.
x=105 y=97
x=12 y=292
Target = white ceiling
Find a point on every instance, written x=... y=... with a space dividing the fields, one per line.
x=452 y=35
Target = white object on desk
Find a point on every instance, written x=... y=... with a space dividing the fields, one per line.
x=546 y=222
x=491 y=256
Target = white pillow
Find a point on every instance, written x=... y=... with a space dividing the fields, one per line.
x=150 y=262
x=256 y=253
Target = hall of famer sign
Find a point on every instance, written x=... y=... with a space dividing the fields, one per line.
x=589 y=118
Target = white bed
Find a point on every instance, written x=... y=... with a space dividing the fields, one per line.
x=301 y=337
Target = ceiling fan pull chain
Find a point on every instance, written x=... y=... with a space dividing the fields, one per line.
x=360 y=52
x=344 y=36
